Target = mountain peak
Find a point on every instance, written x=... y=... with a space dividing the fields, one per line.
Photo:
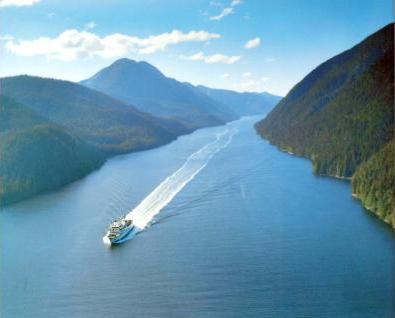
x=124 y=61
x=143 y=85
x=124 y=72
x=128 y=65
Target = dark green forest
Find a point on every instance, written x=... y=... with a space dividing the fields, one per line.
x=55 y=132
x=373 y=183
x=106 y=123
x=341 y=116
x=38 y=155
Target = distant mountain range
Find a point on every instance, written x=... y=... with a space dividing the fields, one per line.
x=53 y=132
x=341 y=116
x=141 y=84
x=243 y=104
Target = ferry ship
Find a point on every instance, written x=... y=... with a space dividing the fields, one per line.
x=118 y=230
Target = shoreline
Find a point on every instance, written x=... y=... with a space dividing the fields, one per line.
x=349 y=179
x=110 y=157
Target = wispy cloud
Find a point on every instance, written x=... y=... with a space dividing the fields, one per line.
x=91 y=25
x=253 y=43
x=211 y=59
x=236 y=3
x=270 y=59
x=246 y=74
x=225 y=75
x=225 y=11
x=252 y=85
x=17 y=3
x=73 y=44
x=216 y=3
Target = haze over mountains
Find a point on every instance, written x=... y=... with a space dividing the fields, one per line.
x=105 y=122
x=341 y=116
x=242 y=104
x=53 y=132
x=141 y=84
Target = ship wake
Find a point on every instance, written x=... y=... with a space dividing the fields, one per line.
x=162 y=195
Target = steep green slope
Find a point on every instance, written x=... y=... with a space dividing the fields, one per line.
x=54 y=132
x=243 y=104
x=144 y=86
x=36 y=155
x=373 y=183
x=342 y=113
x=104 y=122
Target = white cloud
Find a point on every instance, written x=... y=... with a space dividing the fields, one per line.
x=215 y=3
x=235 y=3
x=73 y=44
x=270 y=60
x=223 y=14
x=225 y=11
x=6 y=37
x=91 y=25
x=252 y=43
x=246 y=74
x=225 y=75
x=17 y=3
x=211 y=59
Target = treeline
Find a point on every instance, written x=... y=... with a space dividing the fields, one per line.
x=341 y=115
x=37 y=155
x=54 y=132
x=373 y=183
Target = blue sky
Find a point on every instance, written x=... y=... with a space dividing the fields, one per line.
x=244 y=45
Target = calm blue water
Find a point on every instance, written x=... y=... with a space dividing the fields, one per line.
x=253 y=234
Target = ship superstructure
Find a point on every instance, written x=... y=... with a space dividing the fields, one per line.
x=118 y=230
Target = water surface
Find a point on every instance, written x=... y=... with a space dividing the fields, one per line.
x=253 y=234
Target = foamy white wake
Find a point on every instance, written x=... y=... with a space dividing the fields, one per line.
x=142 y=214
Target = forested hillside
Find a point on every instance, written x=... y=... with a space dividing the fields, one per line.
x=373 y=183
x=54 y=132
x=106 y=123
x=38 y=155
x=341 y=115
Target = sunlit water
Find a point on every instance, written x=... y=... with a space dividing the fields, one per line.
x=245 y=231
